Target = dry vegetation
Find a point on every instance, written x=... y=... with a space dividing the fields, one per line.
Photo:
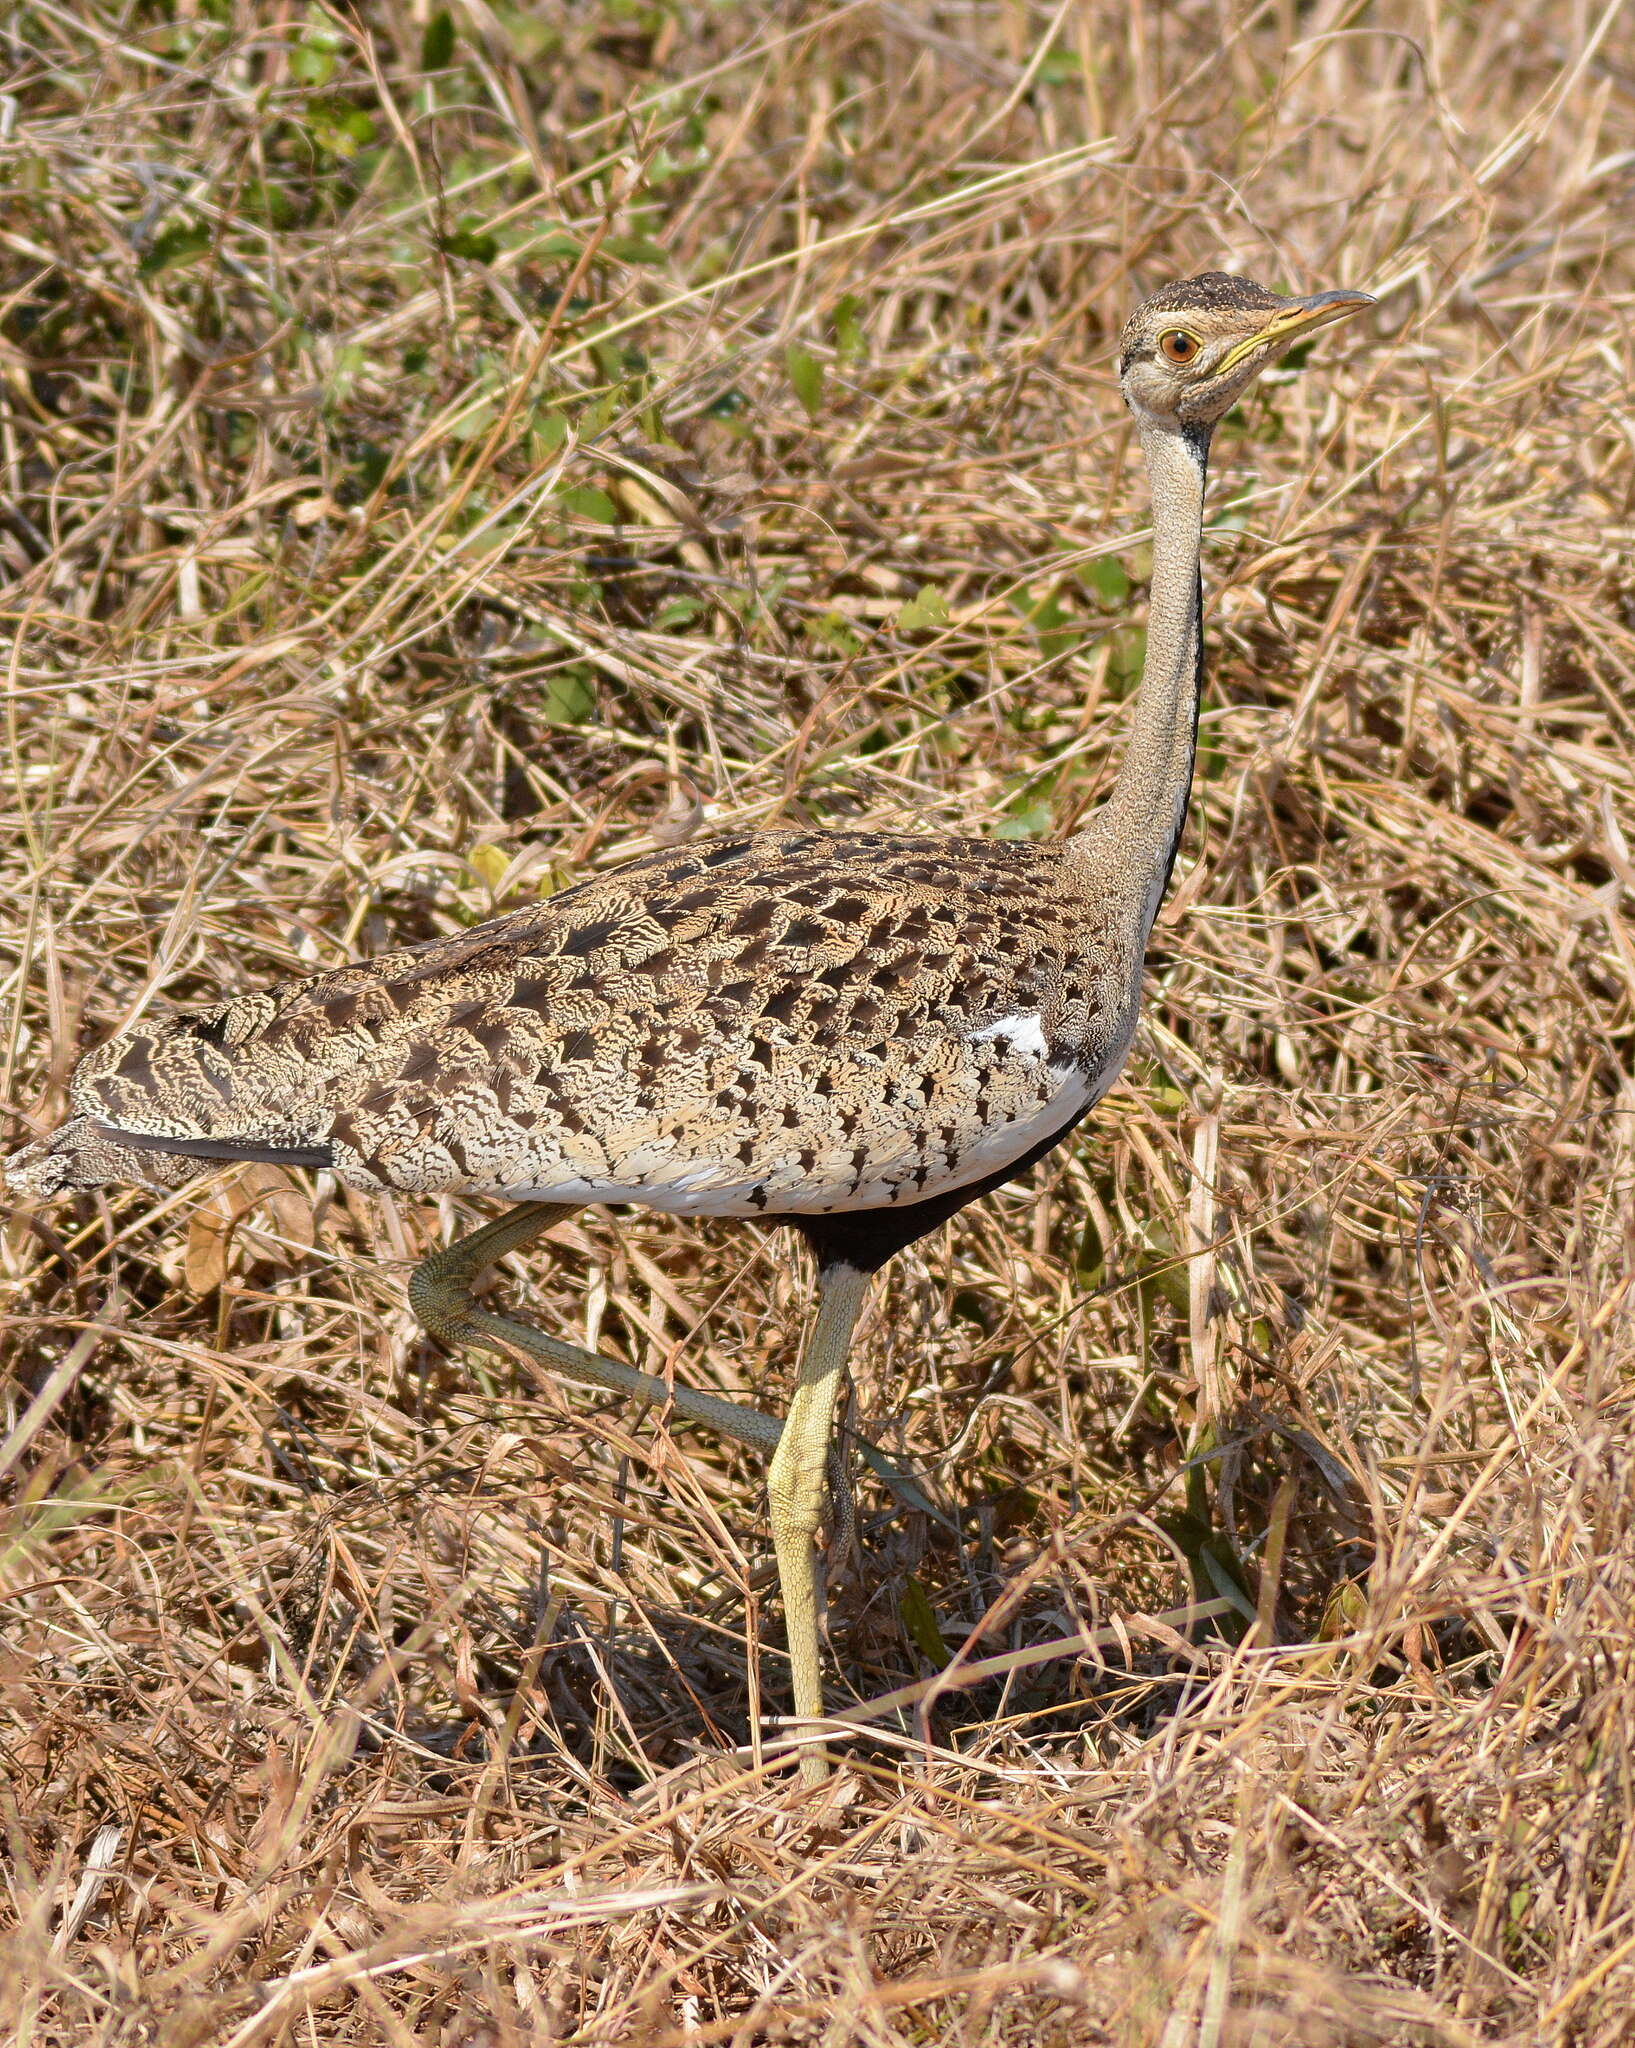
x=443 y=451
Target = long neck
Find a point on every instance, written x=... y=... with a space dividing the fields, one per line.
x=1139 y=826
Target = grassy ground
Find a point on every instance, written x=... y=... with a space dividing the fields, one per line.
x=446 y=451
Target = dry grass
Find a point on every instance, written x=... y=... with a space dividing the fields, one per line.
x=442 y=453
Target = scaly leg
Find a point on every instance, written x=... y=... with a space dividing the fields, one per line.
x=440 y=1298
x=795 y=1486
x=803 y=1454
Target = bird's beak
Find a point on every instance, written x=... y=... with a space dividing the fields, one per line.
x=1297 y=317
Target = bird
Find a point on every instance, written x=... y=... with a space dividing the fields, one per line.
x=852 y=1033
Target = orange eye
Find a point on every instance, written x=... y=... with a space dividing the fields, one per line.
x=1178 y=345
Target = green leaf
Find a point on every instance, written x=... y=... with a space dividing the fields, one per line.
x=471 y=243
x=186 y=242
x=470 y=426
x=340 y=127
x=1090 y=1263
x=634 y=249
x=806 y=374
x=1033 y=821
x=1048 y=617
x=588 y=501
x=1165 y=1278
x=1106 y=579
x=555 y=247
x=832 y=631
x=495 y=539
x=437 y=44
x=1129 y=651
x=680 y=611
x=312 y=63
x=919 y=1618
x=924 y=612
x=570 y=698
x=550 y=431
x=490 y=862
x=1221 y=1570
x=595 y=416
x=849 y=342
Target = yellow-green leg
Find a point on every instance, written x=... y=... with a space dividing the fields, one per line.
x=803 y=1453
x=440 y=1297
x=795 y=1486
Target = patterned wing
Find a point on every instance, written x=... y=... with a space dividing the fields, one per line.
x=784 y=1022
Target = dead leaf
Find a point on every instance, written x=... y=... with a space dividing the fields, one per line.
x=218 y=1227
x=204 y=1264
x=274 y=1196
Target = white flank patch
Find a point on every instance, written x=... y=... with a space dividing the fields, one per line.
x=1024 y=1032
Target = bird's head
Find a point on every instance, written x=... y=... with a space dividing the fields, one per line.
x=1188 y=354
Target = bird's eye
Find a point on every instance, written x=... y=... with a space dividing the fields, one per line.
x=1178 y=345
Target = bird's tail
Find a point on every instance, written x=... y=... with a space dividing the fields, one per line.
x=82 y=1154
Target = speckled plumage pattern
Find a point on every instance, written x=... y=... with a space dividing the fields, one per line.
x=788 y=1023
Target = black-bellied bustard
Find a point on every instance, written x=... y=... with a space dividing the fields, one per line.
x=856 y=1033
